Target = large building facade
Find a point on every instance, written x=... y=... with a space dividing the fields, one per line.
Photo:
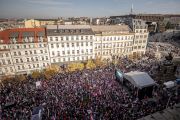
x=112 y=40
x=140 y=37
x=24 y=50
x=70 y=43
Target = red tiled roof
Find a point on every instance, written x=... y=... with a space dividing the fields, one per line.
x=4 y=35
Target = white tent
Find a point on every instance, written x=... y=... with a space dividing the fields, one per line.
x=169 y=84
x=139 y=79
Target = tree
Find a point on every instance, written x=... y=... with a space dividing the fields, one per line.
x=90 y=64
x=98 y=62
x=36 y=74
x=75 y=66
x=20 y=78
x=7 y=79
x=130 y=56
x=169 y=25
x=50 y=71
x=56 y=68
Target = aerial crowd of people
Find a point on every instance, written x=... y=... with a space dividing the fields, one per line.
x=82 y=95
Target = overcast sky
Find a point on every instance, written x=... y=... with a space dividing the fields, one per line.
x=89 y=8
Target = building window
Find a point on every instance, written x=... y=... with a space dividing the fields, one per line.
x=19 y=68
x=81 y=37
x=63 y=52
x=42 y=58
x=58 y=53
x=29 y=66
x=86 y=37
x=77 y=51
x=72 y=44
x=7 y=55
x=17 y=61
x=53 y=53
x=36 y=58
x=91 y=43
x=56 y=38
x=52 y=46
x=91 y=50
x=64 y=59
x=82 y=51
x=41 y=51
x=34 y=51
x=15 y=54
x=68 y=52
x=61 y=38
x=81 y=43
x=91 y=37
x=32 y=59
x=62 y=45
x=27 y=59
x=57 y=45
x=86 y=43
x=46 y=57
x=30 y=52
x=73 y=52
x=26 y=53
x=21 y=60
x=77 y=44
x=19 y=53
x=37 y=65
x=67 y=44
x=9 y=62
x=51 y=39
x=67 y=38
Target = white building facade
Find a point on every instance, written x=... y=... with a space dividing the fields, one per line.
x=113 y=41
x=29 y=49
x=69 y=43
x=25 y=50
x=141 y=36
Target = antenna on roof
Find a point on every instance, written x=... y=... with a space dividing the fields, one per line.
x=131 y=9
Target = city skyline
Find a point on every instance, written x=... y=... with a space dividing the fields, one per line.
x=86 y=8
